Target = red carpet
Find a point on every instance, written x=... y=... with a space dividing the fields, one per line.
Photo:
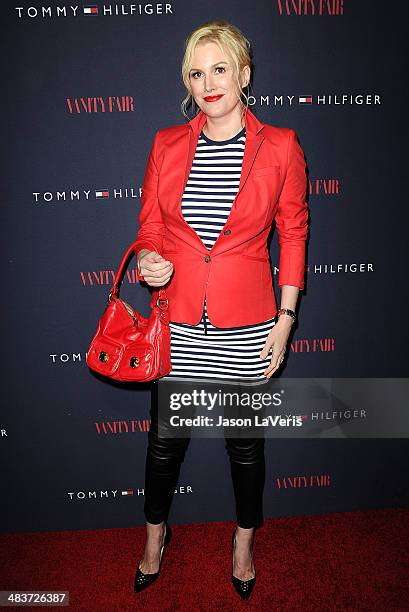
x=340 y=561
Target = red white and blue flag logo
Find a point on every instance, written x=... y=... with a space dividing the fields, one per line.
x=304 y=99
x=90 y=10
x=100 y=195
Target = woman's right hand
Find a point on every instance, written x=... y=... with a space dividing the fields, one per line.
x=156 y=270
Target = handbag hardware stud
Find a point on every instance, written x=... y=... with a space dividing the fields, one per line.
x=161 y=302
x=103 y=356
x=134 y=362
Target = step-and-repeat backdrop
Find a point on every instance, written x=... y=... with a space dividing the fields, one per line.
x=85 y=88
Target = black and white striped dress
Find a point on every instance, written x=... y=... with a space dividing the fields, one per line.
x=205 y=352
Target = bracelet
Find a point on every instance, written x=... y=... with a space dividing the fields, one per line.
x=138 y=265
x=287 y=311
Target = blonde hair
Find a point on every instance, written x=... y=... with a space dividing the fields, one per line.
x=230 y=40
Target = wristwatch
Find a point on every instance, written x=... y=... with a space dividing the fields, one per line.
x=287 y=311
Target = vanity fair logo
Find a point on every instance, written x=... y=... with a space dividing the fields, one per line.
x=75 y=195
x=122 y=427
x=104 y=494
x=323 y=186
x=300 y=8
x=100 y=104
x=313 y=345
x=312 y=481
x=91 y=11
x=98 y=278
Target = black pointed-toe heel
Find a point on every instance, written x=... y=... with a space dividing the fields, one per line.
x=243 y=587
x=142 y=581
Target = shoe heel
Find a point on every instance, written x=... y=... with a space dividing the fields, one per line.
x=243 y=587
x=142 y=581
x=168 y=537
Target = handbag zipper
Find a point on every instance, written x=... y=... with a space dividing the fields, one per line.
x=129 y=310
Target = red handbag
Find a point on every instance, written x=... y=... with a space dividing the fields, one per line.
x=127 y=346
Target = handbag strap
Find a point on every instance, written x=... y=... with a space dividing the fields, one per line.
x=161 y=301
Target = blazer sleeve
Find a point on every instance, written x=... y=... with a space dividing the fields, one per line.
x=292 y=217
x=151 y=226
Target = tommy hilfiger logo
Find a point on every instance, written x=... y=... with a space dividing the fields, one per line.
x=90 y=10
x=72 y=195
x=93 y=10
x=304 y=99
x=100 y=195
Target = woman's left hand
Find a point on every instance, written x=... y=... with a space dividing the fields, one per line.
x=277 y=340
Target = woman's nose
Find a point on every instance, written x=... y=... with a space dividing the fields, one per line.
x=208 y=83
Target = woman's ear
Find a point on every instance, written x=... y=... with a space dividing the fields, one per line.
x=245 y=76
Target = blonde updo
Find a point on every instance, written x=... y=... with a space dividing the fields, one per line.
x=232 y=43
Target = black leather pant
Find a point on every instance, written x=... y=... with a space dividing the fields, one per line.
x=163 y=462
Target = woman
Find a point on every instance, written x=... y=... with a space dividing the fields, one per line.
x=211 y=191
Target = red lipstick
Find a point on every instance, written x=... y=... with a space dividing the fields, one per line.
x=213 y=98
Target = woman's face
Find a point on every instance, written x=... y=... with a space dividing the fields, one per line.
x=211 y=76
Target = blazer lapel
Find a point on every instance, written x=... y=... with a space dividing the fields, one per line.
x=254 y=138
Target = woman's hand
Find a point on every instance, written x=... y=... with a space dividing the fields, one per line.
x=156 y=270
x=277 y=340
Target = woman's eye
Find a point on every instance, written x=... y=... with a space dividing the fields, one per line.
x=194 y=74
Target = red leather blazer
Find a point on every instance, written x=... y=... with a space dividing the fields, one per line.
x=235 y=274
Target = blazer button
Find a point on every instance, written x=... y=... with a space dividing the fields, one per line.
x=207 y=258
x=227 y=232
